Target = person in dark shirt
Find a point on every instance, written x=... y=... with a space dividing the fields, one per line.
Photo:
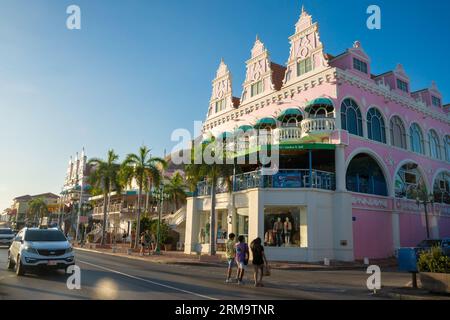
x=259 y=259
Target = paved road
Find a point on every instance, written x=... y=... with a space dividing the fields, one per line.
x=109 y=277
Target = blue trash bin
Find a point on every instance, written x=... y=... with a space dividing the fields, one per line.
x=407 y=259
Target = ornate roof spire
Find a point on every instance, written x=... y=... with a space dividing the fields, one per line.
x=222 y=69
x=304 y=21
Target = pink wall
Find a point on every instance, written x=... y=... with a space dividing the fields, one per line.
x=412 y=229
x=372 y=234
x=444 y=227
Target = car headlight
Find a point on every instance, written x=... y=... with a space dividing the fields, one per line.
x=30 y=249
x=69 y=249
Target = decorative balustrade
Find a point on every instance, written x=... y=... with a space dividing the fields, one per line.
x=284 y=179
x=317 y=125
x=286 y=134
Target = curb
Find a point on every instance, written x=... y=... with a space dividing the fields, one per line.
x=193 y=263
x=212 y=264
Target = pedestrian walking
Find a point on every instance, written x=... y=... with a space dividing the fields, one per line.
x=231 y=255
x=148 y=241
x=242 y=256
x=143 y=243
x=259 y=260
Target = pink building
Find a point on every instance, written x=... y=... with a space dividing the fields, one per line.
x=355 y=152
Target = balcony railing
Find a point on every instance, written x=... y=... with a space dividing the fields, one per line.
x=286 y=134
x=204 y=188
x=318 y=126
x=284 y=179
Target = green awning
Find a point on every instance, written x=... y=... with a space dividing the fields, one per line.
x=224 y=135
x=269 y=122
x=206 y=141
x=291 y=112
x=244 y=128
x=320 y=102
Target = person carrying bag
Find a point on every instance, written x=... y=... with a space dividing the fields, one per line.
x=260 y=264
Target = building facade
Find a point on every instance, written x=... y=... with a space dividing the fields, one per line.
x=355 y=151
x=76 y=186
x=19 y=212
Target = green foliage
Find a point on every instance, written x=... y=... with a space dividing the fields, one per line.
x=434 y=261
x=146 y=224
x=105 y=175
x=37 y=208
x=176 y=189
x=199 y=169
x=152 y=226
x=164 y=231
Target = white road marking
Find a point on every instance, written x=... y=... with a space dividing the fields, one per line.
x=148 y=281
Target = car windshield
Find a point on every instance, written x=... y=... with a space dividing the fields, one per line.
x=6 y=231
x=44 y=235
x=429 y=243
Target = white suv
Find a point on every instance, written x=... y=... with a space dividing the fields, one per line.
x=40 y=248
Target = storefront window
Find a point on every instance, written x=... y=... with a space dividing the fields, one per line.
x=285 y=226
x=242 y=223
x=205 y=226
x=222 y=226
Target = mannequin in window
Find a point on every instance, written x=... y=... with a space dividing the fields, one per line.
x=278 y=229
x=201 y=235
x=268 y=238
x=287 y=231
x=207 y=232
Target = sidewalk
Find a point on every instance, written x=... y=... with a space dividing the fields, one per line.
x=180 y=258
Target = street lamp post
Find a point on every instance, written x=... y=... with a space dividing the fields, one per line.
x=79 y=210
x=425 y=200
x=159 y=194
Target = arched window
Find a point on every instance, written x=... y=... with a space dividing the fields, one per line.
x=364 y=175
x=408 y=181
x=447 y=148
x=375 y=126
x=441 y=188
x=416 y=138
x=435 y=148
x=351 y=119
x=398 y=133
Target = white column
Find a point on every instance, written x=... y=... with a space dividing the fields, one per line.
x=231 y=215
x=340 y=167
x=192 y=224
x=255 y=215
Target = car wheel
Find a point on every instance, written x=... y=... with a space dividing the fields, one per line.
x=10 y=263
x=20 y=271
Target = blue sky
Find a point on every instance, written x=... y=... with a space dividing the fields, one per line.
x=139 y=69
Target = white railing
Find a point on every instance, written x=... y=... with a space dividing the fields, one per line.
x=317 y=125
x=178 y=217
x=286 y=134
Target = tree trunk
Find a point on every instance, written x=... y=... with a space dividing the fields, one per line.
x=105 y=195
x=138 y=222
x=212 y=233
x=147 y=197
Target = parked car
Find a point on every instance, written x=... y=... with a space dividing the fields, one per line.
x=443 y=243
x=6 y=236
x=43 y=248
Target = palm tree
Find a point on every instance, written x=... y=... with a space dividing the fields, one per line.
x=212 y=174
x=38 y=208
x=176 y=189
x=141 y=167
x=105 y=177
